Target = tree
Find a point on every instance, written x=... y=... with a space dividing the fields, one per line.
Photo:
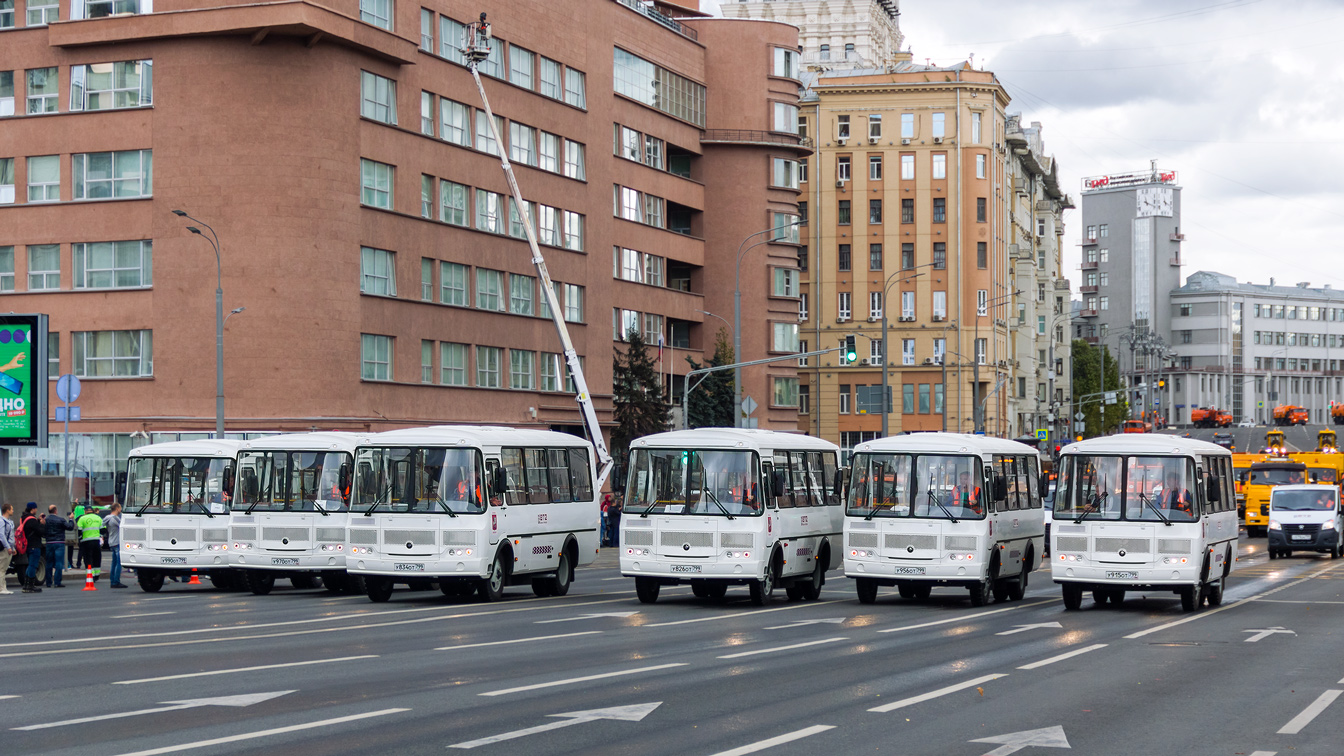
x=1115 y=414
x=637 y=398
x=1087 y=382
x=710 y=405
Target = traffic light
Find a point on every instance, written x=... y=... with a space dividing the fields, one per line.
x=851 y=354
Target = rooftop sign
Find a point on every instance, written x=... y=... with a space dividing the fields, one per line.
x=1118 y=180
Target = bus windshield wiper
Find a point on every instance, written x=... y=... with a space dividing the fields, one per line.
x=933 y=497
x=715 y=499
x=1153 y=507
x=1088 y=508
x=645 y=513
x=378 y=500
x=444 y=505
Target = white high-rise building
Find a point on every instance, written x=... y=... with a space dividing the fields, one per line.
x=833 y=33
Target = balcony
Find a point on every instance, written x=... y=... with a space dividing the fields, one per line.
x=757 y=138
x=1088 y=241
x=1087 y=289
x=1177 y=236
x=1093 y=340
x=1087 y=313
x=1089 y=264
x=659 y=18
x=1175 y=262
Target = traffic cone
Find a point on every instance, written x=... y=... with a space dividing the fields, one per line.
x=195 y=579
x=88 y=580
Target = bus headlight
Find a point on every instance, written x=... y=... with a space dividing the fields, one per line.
x=961 y=557
x=1274 y=525
x=1175 y=560
x=637 y=552
x=459 y=552
x=861 y=553
x=217 y=547
x=734 y=554
x=242 y=546
x=361 y=549
x=1070 y=558
x=133 y=546
x=1328 y=525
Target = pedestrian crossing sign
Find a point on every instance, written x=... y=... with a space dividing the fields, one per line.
x=1042 y=434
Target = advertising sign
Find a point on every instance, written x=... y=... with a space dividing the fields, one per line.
x=23 y=380
x=1118 y=180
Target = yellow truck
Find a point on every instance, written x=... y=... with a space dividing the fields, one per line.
x=1274 y=471
x=1322 y=467
x=1241 y=471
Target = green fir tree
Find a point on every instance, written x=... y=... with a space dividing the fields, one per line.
x=637 y=398
x=711 y=403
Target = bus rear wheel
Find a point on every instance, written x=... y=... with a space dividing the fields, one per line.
x=1073 y=596
x=304 y=581
x=334 y=582
x=647 y=589
x=1214 y=592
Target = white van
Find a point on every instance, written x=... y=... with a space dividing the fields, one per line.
x=1305 y=518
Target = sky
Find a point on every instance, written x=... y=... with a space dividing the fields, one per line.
x=1243 y=98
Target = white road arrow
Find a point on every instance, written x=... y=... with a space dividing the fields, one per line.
x=631 y=713
x=1265 y=633
x=237 y=701
x=621 y=615
x=1046 y=737
x=800 y=623
x=1024 y=628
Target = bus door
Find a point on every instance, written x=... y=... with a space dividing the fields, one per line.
x=495 y=501
x=802 y=511
x=1009 y=530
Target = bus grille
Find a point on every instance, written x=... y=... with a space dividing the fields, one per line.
x=167 y=534
x=736 y=540
x=1173 y=545
x=293 y=534
x=903 y=541
x=244 y=532
x=639 y=537
x=215 y=535
x=417 y=537
x=1071 y=543
x=695 y=539
x=459 y=538
x=1130 y=545
x=959 y=543
x=132 y=534
x=863 y=540
x=331 y=534
x=363 y=536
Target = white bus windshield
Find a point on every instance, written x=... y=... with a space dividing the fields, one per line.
x=294 y=481
x=1303 y=501
x=424 y=480
x=1145 y=489
x=179 y=485
x=694 y=482
x=935 y=486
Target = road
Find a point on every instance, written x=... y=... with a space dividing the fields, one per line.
x=1252 y=440
x=305 y=672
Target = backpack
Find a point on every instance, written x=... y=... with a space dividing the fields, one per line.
x=21 y=538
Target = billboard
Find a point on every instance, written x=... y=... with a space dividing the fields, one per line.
x=23 y=380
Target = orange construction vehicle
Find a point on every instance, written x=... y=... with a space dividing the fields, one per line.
x=1337 y=414
x=1210 y=417
x=1136 y=426
x=1290 y=414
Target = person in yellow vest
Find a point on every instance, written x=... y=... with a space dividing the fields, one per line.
x=90 y=528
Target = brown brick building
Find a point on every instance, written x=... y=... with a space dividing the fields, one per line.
x=339 y=150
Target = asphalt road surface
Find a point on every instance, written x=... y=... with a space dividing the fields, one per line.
x=1252 y=440
x=304 y=672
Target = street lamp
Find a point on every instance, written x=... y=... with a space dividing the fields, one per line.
x=726 y=324
x=219 y=320
x=886 y=346
x=977 y=412
x=737 y=313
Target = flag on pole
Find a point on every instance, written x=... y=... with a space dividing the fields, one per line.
x=660 y=346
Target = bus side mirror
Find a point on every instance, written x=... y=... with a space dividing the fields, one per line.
x=1044 y=484
x=841 y=475
x=1212 y=491
x=500 y=484
x=1000 y=487
x=778 y=484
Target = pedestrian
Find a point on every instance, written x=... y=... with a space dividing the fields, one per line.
x=54 y=533
x=7 y=549
x=606 y=519
x=614 y=519
x=32 y=531
x=91 y=541
x=72 y=540
x=113 y=522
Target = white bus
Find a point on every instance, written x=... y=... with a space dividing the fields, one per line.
x=176 y=518
x=1144 y=512
x=944 y=509
x=291 y=510
x=471 y=508
x=721 y=506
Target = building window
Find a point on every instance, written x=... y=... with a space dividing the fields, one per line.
x=907 y=125
x=376 y=179
x=1040 y=325
x=6 y=14
x=44 y=178
x=842 y=168
x=786 y=282
x=1105 y=303
x=907 y=305
x=1185 y=310
x=573 y=303
x=785 y=337
x=940 y=305
x=802 y=308
x=516 y=228
x=975 y=129
x=485 y=137
x=939 y=255
x=453 y=284
x=107 y=86
x=489 y=211
x=426 y=113
x=520 y=66
x=924 y=398
x=43 y=12
x=452 y=36
x=378 y=98
x=980 y=345
x=454 y=118
x=489 y=290
x=843 y=258
x=376 y=12
x=825 y=52
x=842 y=213
x=804 y=397
x=980 y=205
x=842 y=127
x=549 y=369
x=427 y=30
x=785 y=173
x=377 y=272
x=43 y=89
x=426 y=279
x=426 y=361
x=426 y=196
x=907 y=256
x=574 y=160
x=576 y=92
x=113 y=354
x=786 y=118
x=939 y=210
x=874 y=127
x=44 y=267
x=980 y=166
x=452 y=203
x=940 y=166
x=1103 y=255
x=874 y=257
x=844 y=399
x=908 y=167
x=786 y=63
x=521 y=371
x=1104 y=278
x=522 y=290
x=487 y=366
x=874 y=304
x=939 y=125
x=112 y=265
x=1103 y=231
x=786 y=392
x=982 y=302
x=522 y=144
x=908 y=398
x=875 y=211
x=844 y=301
x=7 y=268
x=849 y=51
x=907 y=211
x=573 y=231
x=101 y=175
x=6 y=181
x=874 y=167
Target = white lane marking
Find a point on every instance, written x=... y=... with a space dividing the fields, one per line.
x=5 y=697
x=214 y=672
x=1286 y=601
x=1264 y=753
x=333 y=599
x=1296 y=724
x=290 y=633
x=518 y=640
x=1023 y=628
x=630 y=713
x=265 y=733
x=621 y=577
x=787 y=737
x=168 y=598
x=585 y=678
x=801 y=623
x=741 y=654
x=1045 y=737
x=146 y=614
x=235 y=701
x=935 y=694
x=1265 y=633
x=963 y=617
x=1191 y=618
x=619 y=615
x=1062 y=657
x=739 y=615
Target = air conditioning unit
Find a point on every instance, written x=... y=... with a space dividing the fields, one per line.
x=907 y=318
x=939 y=318
x=841 y=140
x=874 y=318
x=905 y=141
x=929 y=361
x=872 y=140
x=937 y=140
x=842 y=320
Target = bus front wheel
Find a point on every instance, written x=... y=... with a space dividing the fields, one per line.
x=764 y=589
x=379 y=589
x=1073 y=596
x=151 y=581
x=980 y=593
x=647 y=589
x=867 y=588
x=492 y=588
x=1214 y=592
x=810 y=588
x=260 y=582
x=1190 y=597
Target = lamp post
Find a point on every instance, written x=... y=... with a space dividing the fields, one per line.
x=943 y=360
x=1050 y=397
x=726 y=324
x=737 y=312
x=219 y=320
x=977 y=412
x=892 y=279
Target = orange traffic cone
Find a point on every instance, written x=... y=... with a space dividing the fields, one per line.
x=88 y=581
x=195 y=579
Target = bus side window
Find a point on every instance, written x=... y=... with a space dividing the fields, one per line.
x=538 y=481
x=580 y=475
x=834 y=484
x=784 y=492
x=561 y=490
x=820 y=488
x=802 y=489
x=1033 y=487
x=513 y=470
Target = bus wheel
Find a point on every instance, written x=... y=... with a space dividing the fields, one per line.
x=1215 y=592
x=867 y=589
x=906 y=590
x=646 y=589
x=794 y=592
x=260 y=582
x=716 y=591
x=1100 y=595
x=922 y=592
x=1117 y=596
x=334 y=582
x=304 y=581
x=1273 y=554
x=1000 y=590
x=1017 y=588
x=355 y=584
x=764 y=589
x=700 y=588
x=810 y=588
x=541 y=587
x=492 y=588
x=554 y=586
x=151 y=581
x=1073 y=596
x=378 y=589
x=1190 y=597
x=980 y=593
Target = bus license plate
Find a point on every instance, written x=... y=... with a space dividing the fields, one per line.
x=408 y=567
x=289 y=561
x=909 y=570
x=173 y=560
x=1123 y=575
x=1301 y=538
x=685 y=568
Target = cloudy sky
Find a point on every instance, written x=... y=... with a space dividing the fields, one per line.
x=1244 y=98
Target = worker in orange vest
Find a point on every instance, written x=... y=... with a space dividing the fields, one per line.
x=966 y=494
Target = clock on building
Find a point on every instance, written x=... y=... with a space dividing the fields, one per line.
x=1154 y=200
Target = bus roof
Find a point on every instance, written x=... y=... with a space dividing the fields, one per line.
x=319 y=441
x=482 y=436
x=1144 y=443
x=729 y=438
x=950 y=443
x=205 y=447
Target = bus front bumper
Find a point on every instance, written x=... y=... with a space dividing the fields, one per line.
x=412 y=568
x=173 y=560
x=303 y=561
x=1129 y=576
x=671 y=570
x=892 y=572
